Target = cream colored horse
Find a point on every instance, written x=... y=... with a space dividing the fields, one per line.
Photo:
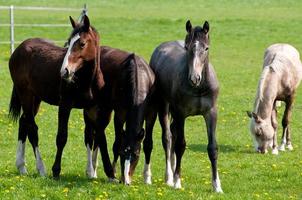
x=281 y=75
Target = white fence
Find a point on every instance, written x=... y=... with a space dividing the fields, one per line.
x=12 y=24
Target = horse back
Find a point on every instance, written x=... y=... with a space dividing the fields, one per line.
x=35 y=65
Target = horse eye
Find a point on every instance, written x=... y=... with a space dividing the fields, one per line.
x=207 y=48
x=82 y=45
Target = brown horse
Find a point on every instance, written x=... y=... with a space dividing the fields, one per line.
x=129 y=83
x=36 y=69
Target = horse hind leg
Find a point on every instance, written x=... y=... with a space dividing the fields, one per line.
x=20 y=156
x=34 y=139
x=167 y=143
x=119 y=120
x=286 y=138
x=91 y=168
x=178 y=146
x=148 y=145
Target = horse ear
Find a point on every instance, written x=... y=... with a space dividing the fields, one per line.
x=249 y=114
x=141 y=135
x=73 y=23
x=256 y=117
x=188 y=26
x=86 y=23
x=206 y=27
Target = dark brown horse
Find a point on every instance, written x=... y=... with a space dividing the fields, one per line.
x=36 y=69
x=129 y=83
x=186 y=85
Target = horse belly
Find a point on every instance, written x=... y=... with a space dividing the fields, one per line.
x=190 y=106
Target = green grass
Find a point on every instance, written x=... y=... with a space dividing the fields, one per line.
x=240 y=32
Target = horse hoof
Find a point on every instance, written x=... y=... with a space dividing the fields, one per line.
x=218 y=190
x=91 y=174
x=282 y=147
x=113 y=180
x=275 y=151
x=290 y=147
x=170 y=183
x=177 y=184
x=148 y=180
x=22 y=170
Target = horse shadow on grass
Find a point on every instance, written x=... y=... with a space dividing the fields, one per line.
x=225 y=148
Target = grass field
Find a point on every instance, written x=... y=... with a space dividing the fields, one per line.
x=240 y=31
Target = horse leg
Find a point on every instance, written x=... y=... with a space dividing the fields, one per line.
x=211 y=120
x=63 y=116
x=34 y=139
x=286 y=139
x=103 y=119
x=119 y=120
x=163 y=116
x=178 y=146
x=275 y=126
x=148 y=145
x=20 y=156
x=91 y=169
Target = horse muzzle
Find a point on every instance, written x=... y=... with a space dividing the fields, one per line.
x=195 y=80
x=68 y=76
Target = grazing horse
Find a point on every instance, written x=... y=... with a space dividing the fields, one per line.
x=69 y=78
x=281 y=75
x=129 y=83
x=186 y=85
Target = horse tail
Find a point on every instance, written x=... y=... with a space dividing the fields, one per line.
x=131 y=67
x=14 y=106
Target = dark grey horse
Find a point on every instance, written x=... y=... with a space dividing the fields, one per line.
x=186 y=85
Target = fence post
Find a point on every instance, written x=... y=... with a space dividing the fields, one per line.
x=12 y=41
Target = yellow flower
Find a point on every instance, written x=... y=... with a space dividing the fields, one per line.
x=159 y=194
x=65 y=190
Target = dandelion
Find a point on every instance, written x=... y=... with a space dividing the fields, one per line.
x=159 y=193
x=274 y=166
x=105 y=193
x=65 y=190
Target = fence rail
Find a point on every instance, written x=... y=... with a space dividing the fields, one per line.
x=12 y=24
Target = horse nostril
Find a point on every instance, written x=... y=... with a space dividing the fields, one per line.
x=198 y=78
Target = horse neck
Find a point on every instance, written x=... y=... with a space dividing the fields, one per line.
x=266 y=94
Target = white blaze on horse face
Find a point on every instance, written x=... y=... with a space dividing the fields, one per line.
x=65 y=61
x=126 y=172
x=195 y=72
x=39 y=163
x=147 y=173
x=20 y=158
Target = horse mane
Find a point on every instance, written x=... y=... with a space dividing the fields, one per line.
x=275 y=66
x=76 y=30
